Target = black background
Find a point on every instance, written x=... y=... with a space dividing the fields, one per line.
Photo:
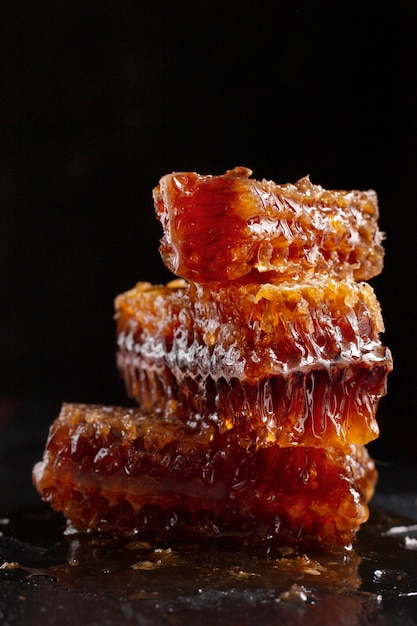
x=100 y=99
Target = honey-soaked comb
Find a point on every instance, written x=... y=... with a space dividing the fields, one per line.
x=113 y=469
x=298 y=363
x=231 y=227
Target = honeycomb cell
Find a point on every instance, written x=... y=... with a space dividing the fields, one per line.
x=114 y=469
x=218 y=229
x=296 y=363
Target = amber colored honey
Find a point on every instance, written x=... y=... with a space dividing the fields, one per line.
x=109 y=468
x=298 y=363
x=257 y=380
x=231 y=227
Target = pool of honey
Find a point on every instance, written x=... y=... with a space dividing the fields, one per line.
x=48 y=576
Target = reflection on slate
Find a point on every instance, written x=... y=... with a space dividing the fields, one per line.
x=46 y=576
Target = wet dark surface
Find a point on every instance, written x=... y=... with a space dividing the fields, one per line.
x=48 y=577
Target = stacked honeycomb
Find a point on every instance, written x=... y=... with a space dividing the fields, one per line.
x=257 y=373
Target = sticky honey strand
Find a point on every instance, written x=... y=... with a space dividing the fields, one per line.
x=113 y=469
x=298 y=363
x=218 y=229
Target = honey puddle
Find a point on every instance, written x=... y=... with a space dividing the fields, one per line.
x=370 y=579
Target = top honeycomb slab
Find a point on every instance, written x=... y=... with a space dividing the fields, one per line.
x=218 y=229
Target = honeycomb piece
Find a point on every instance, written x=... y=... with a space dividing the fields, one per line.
x=298 y=363
x=114 y=469
x=225 y=228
